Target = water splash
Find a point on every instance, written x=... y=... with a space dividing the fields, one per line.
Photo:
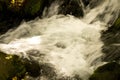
x=106 y=12
x=71 y=45
x=52 y=10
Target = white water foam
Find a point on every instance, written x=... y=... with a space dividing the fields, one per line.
x=68 y=43
x=71 y=45
x=109 y=10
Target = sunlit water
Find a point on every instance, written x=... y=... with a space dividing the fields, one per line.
x=72 y=46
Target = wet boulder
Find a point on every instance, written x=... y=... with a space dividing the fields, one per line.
x=109 y=71
x=72 y=7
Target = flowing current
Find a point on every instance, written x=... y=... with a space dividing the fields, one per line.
x=70 y=45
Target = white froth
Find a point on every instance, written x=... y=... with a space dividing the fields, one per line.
x=70 y=44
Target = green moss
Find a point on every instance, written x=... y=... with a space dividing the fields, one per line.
x=117 y=22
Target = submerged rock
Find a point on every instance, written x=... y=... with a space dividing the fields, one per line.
x=114 y=28
x=111 y=39
x=110 y=71
x=111 y=52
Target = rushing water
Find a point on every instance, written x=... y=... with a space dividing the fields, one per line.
x=71 y=46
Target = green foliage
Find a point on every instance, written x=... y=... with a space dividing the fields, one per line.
x=110 y=71
x=22 y=7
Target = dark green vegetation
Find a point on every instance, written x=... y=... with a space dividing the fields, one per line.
x=110 y=71
x=12 y=12
x=11 y=66
x=21 y=8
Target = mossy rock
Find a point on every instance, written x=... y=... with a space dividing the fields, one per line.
x=117 y=23
x=32 y=7
x=11 y=66
x=116 y=26
x=110 y=71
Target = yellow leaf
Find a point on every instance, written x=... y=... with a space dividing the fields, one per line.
x=14 y=78
x=8 y=57
x=13 y=1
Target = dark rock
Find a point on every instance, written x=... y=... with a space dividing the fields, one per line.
x=94 y=3
x=110 y=71
x=110 y=37
x=48 y=2
x=8 y=23
x=86 y=2
x=32 y=68
x=48 y=71
x=112 y=53
x=72 y=7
